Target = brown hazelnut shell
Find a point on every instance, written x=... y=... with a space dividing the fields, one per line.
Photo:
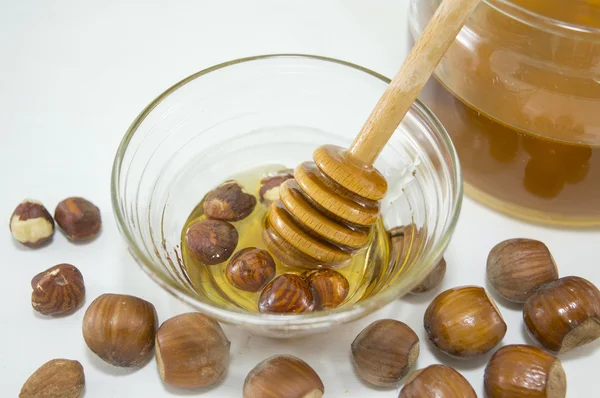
x=433 y=280
x=564 y=314
x=250 y=269
x=517 y=267
x=120 y=329
x=283 y=376
x=191 y=351
x=211 y=241
x=524 y=371
x=384 y=352
x=59 y=290
x=329 y=288
x=437 y=381
x=464 y=322
x=286 y=294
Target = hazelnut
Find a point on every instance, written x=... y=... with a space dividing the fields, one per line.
x=120 y=329
x=31 y=224
x=437 y=381
x=228 y=202
x=384 y=352
x=78 y=218
x=287 y=293
x=191 y=351
x=433 y=280
x=269 y=186
x=405 y=243
x=58 y=378
x=283 y=376
x=564 y=314
x=57 y=291
x=524 y=371
x=464 y=322
x=517 y=267
x=211 y=241
x=250 y=269
x=328 y=287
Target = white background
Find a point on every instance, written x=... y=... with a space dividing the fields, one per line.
x=73 y=76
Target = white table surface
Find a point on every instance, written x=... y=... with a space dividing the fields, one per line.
x=73 y=76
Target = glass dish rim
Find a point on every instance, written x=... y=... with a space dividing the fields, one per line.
x=300 y=321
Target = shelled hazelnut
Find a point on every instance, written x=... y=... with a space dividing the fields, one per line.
x=464 y=322
x=517 y=267
x=287 y=293
x=31 y=224
x=329 y=288
x=78 y=218
x=437 y=381
x=211 y=241
x=191 y=351
x=120 y=329
x=59 y=290
x=250 y=269
x=384 y=352
x=269 y=186
x=228 y=202
x=283 y=376
x=58 y=378
x=564 y=314
x=524 y=371
x=433 y=280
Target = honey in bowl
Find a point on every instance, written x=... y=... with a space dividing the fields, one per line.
x=521 y=102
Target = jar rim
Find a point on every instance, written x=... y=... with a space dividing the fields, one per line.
x=543 y=22
x=296 y=322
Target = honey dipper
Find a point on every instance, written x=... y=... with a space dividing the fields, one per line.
x=325 y=212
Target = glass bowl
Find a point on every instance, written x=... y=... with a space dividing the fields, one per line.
x=277 y=109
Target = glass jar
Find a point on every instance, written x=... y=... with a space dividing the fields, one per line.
x=278 y=109
x=519 y=93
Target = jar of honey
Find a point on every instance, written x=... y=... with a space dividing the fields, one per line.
x=519 y=93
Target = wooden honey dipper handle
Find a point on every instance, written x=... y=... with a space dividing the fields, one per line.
x=402 y=91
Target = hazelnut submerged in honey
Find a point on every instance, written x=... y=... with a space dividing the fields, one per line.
x=524 y=371
x=437 y=381
x=564 y=314
x=384 y=352
x=287 y=293
x=517 y=267
x=229 y=202
x=269 y=186
x=329 y=288
x=464 y=322
x=250 y=269
x=211 y=241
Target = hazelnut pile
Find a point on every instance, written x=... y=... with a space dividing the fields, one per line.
x=213 y=241
x=192 y=351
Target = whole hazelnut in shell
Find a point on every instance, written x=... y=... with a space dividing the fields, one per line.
x=433 y=280
x=564 y=314
x=437 y=381
x=228 y=202
x=464 y=322
x=31 y=224
x=517 y=267
x=329 y=288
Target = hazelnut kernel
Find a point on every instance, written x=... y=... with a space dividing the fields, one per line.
x=437 y=381
x=283 y=376
x=78 y=218
x=384 y=352
x=524 y=371
x=228 y=202
x=250 y=269
x=191 y=351
x=59 y=290
x=464 y=322
x=211 y=241
x=433 y=280
x=31 y=224
x=269 y=186
x=329 y=288
x=564 y=314
x=517 y=267
x=287 y=293
x=120 y=329
x=58 y=378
